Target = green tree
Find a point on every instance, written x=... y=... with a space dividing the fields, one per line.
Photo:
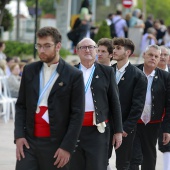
x=44 y=5
x=7 y=21
x=2 y=9
x=104 y=32
x=158 y=8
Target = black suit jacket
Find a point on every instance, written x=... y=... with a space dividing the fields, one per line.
x=132 y=92
x=65 y=104
x=105 y=96
x=160 y=91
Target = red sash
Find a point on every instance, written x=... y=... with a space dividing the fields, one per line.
x=41 y=128
x=88 y=119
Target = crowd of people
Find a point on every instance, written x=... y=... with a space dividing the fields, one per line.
x=11 y=69
x=74 y=117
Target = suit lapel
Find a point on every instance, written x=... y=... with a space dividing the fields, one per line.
x=98 y=74
x=126 y=75
x=36 y=80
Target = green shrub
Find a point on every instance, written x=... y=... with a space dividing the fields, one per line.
x=14 y=48
x=64 y=53
x=23 y=50
x=103 y=32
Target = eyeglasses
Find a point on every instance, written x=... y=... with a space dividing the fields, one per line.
x=90 y=48
x=45 y=47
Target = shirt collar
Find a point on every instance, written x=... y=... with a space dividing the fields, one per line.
x=52 y=66
x=152 y=73
x=122 y=69
x=84 y=68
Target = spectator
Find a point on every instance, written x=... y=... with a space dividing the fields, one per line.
x=10 y=61
x=166 y=38
x=30 y=60
x=81 y=27
x=109 y=19
x=160 y=32
x=148 y=23
x=135 y=17
x=14 y=80
x=2 y=67
x=140 y=23
x=127 y=18
x=2 y=48
x=163 y=26
x=120 y=24
x=21 y=66
x=148 y=38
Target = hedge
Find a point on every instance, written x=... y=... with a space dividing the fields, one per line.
x=23 y=50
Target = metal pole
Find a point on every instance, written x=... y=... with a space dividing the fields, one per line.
x=144 y=9
x=18 y=15
x=36 y=25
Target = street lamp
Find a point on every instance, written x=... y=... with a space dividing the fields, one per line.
x=36 y=25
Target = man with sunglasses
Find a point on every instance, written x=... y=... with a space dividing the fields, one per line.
x=49 y=109
x=101 y=102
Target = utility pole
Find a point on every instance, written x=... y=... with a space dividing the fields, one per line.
x=36 y=25
x=18 y=17
x=144 y=8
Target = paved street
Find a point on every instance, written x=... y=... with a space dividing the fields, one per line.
x=7 y=147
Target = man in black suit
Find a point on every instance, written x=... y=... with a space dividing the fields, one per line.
x=165 y=149
x=105 y=55
x=49 y=109
x=157 y=101
x=101 y=102
x=132 y=85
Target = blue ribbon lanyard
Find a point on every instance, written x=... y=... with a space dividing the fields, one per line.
x=89 y=79
x=43 y=90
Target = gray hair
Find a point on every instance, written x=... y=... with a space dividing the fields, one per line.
x=151 y=30
x=153 y=46
x=166 y=48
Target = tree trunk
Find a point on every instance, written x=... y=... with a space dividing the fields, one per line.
x=1 y=15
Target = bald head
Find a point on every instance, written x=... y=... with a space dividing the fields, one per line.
x=89 y=40
x=87 y=51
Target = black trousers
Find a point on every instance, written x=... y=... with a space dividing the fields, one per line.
x=92 y=150
x=124 y=152
x=144 y=147
x=40 y=156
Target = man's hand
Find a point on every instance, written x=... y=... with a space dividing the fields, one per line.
x=124 y=134
x=62 y=157
x=117 y=140
x=20 y=142
x=166 y=138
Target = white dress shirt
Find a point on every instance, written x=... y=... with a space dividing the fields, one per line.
x=120 y=72
x=89 y=106
x=146 y=114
